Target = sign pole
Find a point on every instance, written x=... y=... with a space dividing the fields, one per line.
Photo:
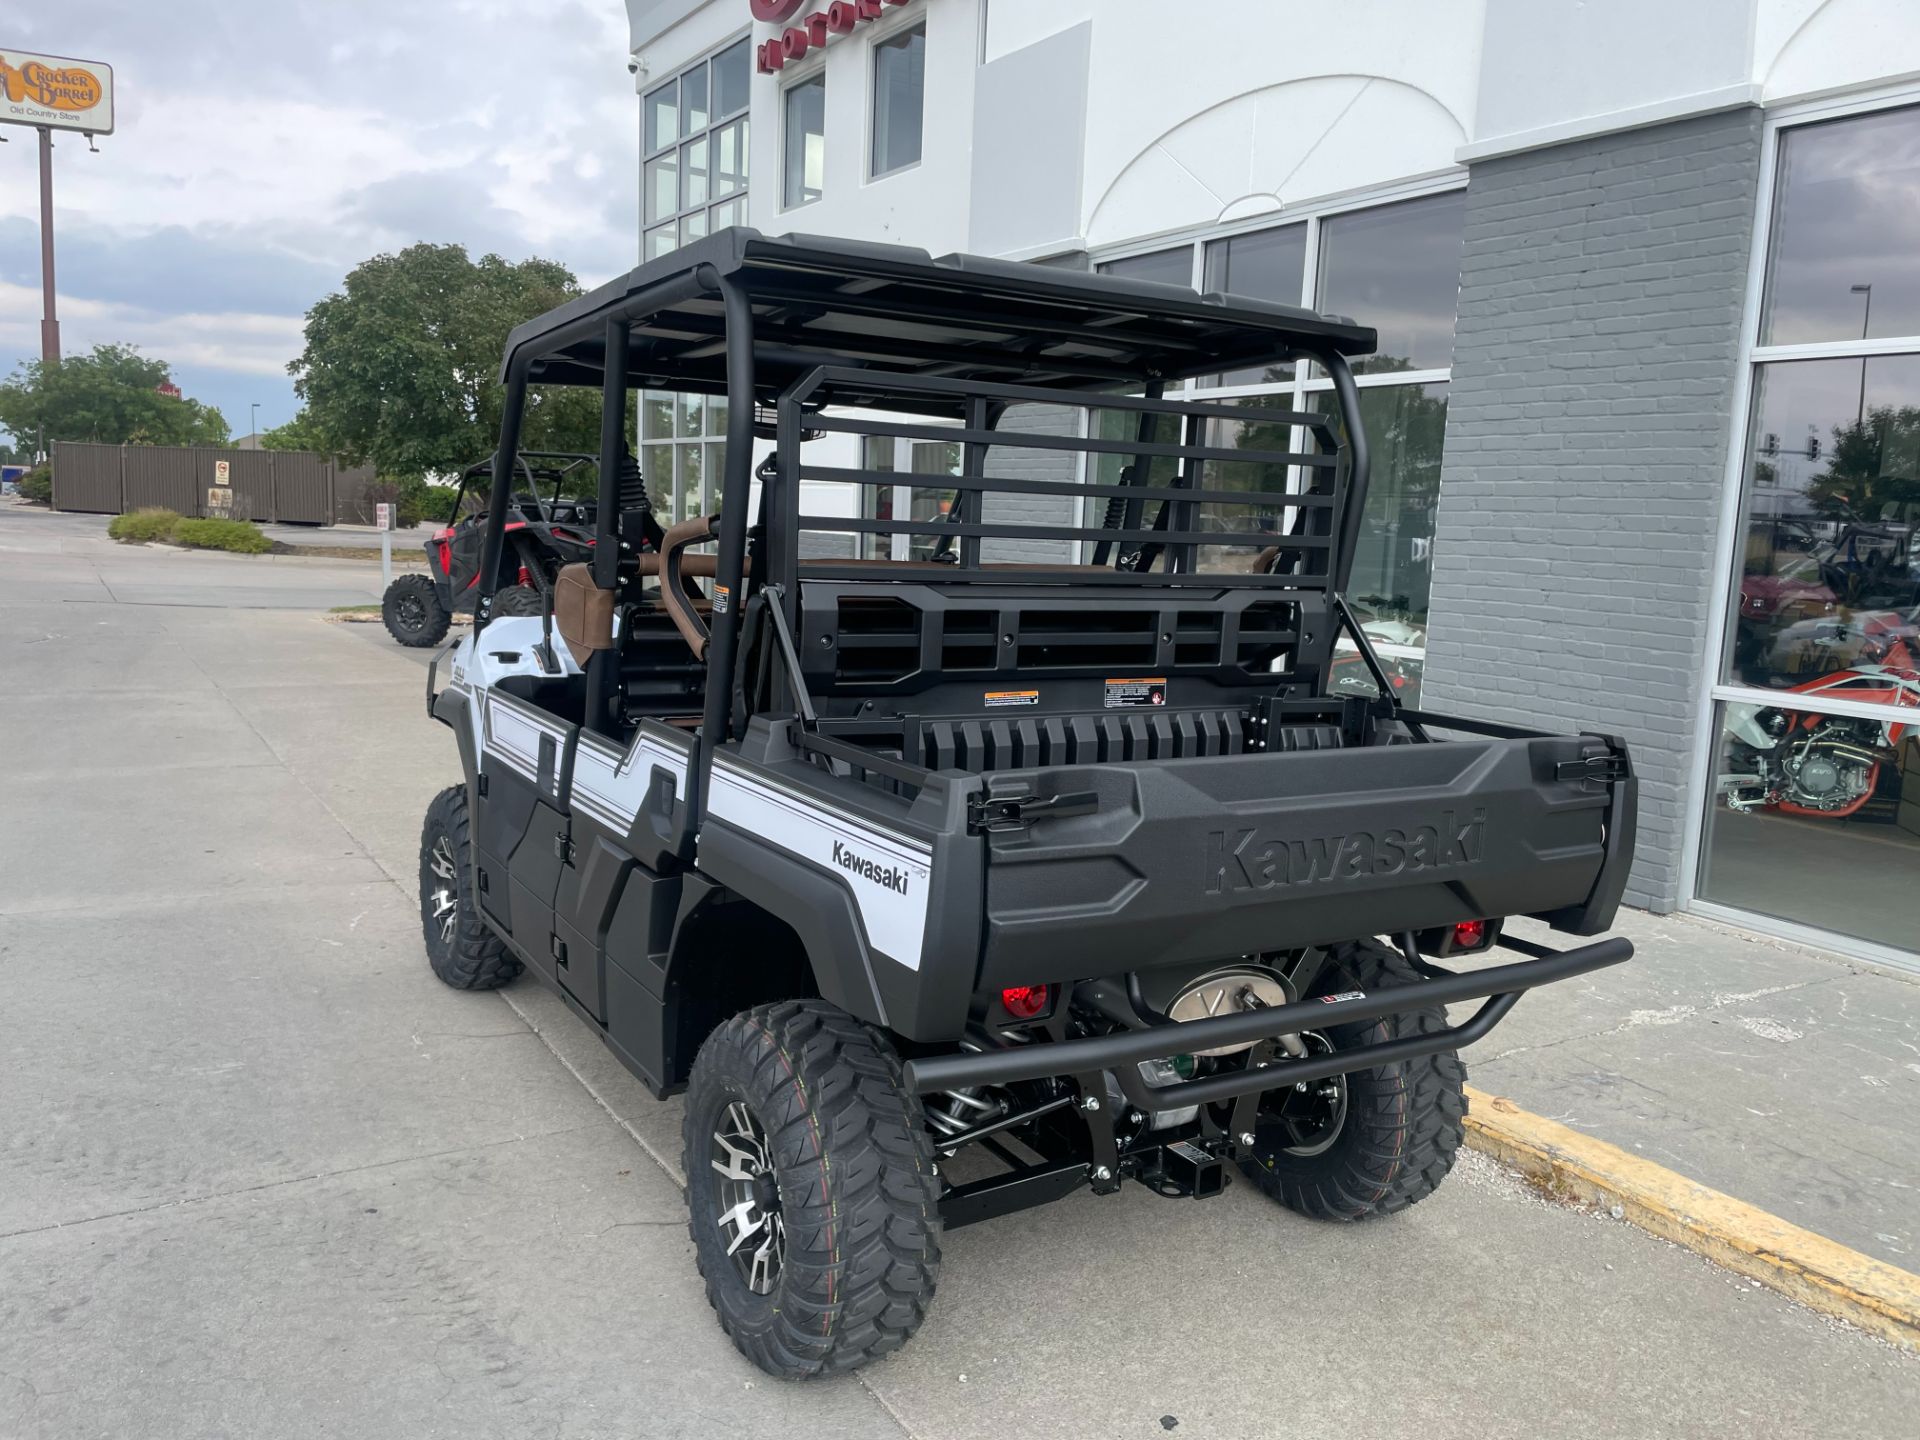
x=50 y=318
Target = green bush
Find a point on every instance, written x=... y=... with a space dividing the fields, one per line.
x=243 y=537
x=37 y=484
x=143 y=525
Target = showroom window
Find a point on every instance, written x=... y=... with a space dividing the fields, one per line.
x=1396 y=267
x=682 y=446
x=899 y=100
x=1813 y=770
x=694 y=175
x=804 y=145
x=693 y=182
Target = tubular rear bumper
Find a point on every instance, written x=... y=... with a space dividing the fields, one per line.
x=1500 y=988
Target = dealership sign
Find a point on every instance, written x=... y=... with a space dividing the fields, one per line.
x=814 y=31
x=55 y=92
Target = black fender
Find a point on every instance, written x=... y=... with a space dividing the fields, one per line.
x=817 y=905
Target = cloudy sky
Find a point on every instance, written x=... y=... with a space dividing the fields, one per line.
x=263 y=149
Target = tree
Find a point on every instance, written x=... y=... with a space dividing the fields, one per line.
x=114 y=395
x=401 y=366
x=299 y=433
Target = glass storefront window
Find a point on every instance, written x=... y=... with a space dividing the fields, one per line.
x=805 y=107
x=1392 y=581
x=1815 y=818
x=1166 y=267
x=1267 y=265
x=899 y=99
x=1828 y=572
x=921 y=501
x=1397 y=268
x=1843 y=265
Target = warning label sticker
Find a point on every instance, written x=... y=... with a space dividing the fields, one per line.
x=1136 y=694
x=997 y=699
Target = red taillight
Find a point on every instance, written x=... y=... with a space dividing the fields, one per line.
x=446 y=559
x=1469 y=934
x=1023 y=1002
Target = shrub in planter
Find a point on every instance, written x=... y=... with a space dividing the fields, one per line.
x=243 y=537
x=142 y=526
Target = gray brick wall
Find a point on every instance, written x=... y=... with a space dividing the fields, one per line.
x=1059 y=466
x=1595 y=366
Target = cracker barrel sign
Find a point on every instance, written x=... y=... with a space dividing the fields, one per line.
x=55 y=92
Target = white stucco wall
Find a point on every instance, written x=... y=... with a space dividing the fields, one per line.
x=1203 y=113
x=925 y=205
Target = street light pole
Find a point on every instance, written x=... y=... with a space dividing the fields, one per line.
x=49 y=316
x=255 y=423
x=1860 y=413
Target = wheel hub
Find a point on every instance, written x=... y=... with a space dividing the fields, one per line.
x=445 y=897
x=747 y=1199
x=412 y=613
x=1305 y=1119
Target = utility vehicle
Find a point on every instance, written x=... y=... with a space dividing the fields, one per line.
x=967 y=852
x=544 y=534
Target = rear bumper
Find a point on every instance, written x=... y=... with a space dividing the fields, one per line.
x=1499 y=988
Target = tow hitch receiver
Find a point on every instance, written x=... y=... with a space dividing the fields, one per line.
x=1182 y=1169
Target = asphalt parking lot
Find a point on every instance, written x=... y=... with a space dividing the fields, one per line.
x=264 y=1176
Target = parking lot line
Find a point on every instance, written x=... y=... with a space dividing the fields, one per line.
x=1819 y=1273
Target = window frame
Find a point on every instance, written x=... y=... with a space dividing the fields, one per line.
x=876 y=43
x=1312 y=214
x=1716 y=692
x=709 y=133
x=812 y=74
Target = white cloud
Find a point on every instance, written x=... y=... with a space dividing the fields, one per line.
x=242 y=343
x=262 y=151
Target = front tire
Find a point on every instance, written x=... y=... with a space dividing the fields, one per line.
x=463 y=950
x=412 y=612
x=811 y=1191
x=1385 y=1137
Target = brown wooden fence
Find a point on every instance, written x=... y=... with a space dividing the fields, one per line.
x=275 y=485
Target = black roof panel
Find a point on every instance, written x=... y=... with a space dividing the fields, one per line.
x=822 y=301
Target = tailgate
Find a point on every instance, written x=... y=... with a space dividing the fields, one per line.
x=1228 y=855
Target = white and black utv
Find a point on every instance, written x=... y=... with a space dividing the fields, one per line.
x=959 y=815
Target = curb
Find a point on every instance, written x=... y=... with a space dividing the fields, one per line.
x=1817 y=1272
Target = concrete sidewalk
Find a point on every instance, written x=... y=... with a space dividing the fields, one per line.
x=1784 y=1076
x=265 y=1177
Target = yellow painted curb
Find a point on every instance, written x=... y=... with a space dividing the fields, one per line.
x=1810 y=1268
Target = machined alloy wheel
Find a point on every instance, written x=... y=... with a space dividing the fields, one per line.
x=462 y=948
x=812 y=1199
x=748 y=1199
x=445 y=897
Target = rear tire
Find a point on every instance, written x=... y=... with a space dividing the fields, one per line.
x=798 y=1113
x=518 y=600
x=413 y=613
x=1402 y=1123
x=461 y=947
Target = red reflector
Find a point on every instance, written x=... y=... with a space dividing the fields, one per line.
x=1469 y=934
x=1023 y=1002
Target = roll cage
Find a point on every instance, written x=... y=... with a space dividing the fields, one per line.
x=837 y=336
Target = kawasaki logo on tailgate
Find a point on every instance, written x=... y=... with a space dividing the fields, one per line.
x=891 y=876
x=1246 y=860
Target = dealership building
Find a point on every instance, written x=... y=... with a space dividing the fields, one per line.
x=1646 y=407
